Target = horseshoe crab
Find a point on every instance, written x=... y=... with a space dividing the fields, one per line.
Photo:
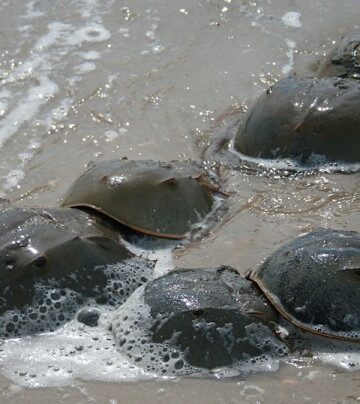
x=155 y=198
x=196 y=318
x=314 y=283
x=62 y=248
x=344 y=60
x=311 y=121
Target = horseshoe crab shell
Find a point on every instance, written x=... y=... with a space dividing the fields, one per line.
x=203 y=318
x=314 y=282
x=60 y=247
x=304 y=119
x=344 y=60
x=159 y=199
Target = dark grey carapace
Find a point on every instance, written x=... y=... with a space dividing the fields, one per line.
x=344 y=60
x=314 y=282
x=304 y=119
x=63 y=248
x=160 y=199
x=205 y=318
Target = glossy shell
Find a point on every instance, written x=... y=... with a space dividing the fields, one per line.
x=314 y=282
x=160 y=199
x=305 y=120
x=59 y=247
x=210 y=317
x=344 y=60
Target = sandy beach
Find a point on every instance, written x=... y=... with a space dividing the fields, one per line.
x=92 y=80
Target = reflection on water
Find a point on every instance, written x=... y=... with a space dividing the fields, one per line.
x=87 y=80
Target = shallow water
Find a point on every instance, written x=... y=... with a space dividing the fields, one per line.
x=98 y=79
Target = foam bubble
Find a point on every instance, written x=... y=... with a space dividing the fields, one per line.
x=27 y=107
x=111 y=135
x=314 y=162
x=124 y=32
x=31 y=12
x=13 y=178
x=91 y=55
x=5 y=97
x=292 y=19
x=24 y=156
x=49 y=48
x=154 y=249
x=60 y=112
x=85 y=67
x=90 y=33
x=53 y=306
x=290 y=54
x=154 y=46
x=134 y=327
x=131 y=334
x=331 y=351
x=74 y=350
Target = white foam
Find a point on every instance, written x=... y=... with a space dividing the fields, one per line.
x=77 y=351
x=154 y=46
x=5 y=94
x=90 y=33
x=290 y=54
x=133 y=323
x=74 y=80
x=331 y=351
x=292 y=19
x=154 y=249
x=24 y=156
x=73 y=350
x=89 y=9
x=13 y=178
x=39 y=59
x=347 y=358
x=111 y=135
x=24 y=28
x=16 y=175
x=3 y=107
x=70 y=353
x=37 y=85
x=37 y=65
x=31 y=12
x=5 y=97
x=157 y=48
x=57 y=42
x=91 y=55
x=61 y=111
x=315 y=162
x=34 y=144
x=124 y=32
x=27 y=107
x=85 y=67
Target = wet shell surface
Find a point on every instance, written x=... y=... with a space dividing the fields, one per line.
x=61 y=248
x=198 y=318
x=314 y=282
x=309 y=120
x=160 y=199
x=344 y=60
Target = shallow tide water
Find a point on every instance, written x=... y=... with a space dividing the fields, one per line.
x=91 y=80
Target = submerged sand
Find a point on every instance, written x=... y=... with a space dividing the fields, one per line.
x=99 y=79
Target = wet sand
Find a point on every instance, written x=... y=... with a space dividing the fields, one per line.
x=94 y=80
x=288 y=385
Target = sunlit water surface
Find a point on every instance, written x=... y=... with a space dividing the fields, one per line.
x=99 y=79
